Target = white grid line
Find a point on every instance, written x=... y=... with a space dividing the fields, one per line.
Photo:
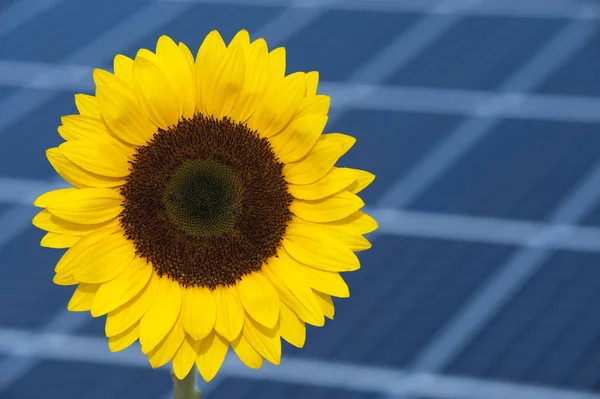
x=33 y=75
x=370 y=379
x=508 y=278
x=487 y=230
x=455 y=334
x=500 y=287
x=473 y=130
x=579 y=10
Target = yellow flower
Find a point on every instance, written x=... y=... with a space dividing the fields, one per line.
x=206 y=211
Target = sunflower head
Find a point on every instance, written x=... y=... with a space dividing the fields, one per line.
x=205 y=209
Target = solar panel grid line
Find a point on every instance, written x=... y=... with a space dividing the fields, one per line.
x=512 y=275
x=473 y=130
x=497 y=290
x=294 y=370
x=451 y=339
x=563 y=9
x=352 y=96
x=486 y=230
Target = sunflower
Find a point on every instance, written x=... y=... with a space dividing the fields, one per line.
x=205 y=209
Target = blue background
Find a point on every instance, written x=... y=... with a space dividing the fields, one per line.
x=545 y=330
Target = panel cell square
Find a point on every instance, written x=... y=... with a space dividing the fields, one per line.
x=341 y=41
x=547 y=334
x=522 y=169
x=478 y=53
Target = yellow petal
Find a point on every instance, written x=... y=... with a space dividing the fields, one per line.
x=222 y=93
x=82 y=298
x=54 y=240
x=155 y=94
x=81 y=127
x=328 y=149
x=161 y=315
x=209 y=57
x=184 y=358
x=51 y=196
x=298 y=138
x=104 y=158
x=326 y=304
x=122 y=341
x=104 y=78
x=278 y=105
x=363 y=179
x=122 y=288
x=123 y=67
x=277 y=65
x=255 y=81
x=336 y=207
x=198 y=313
x=321 y=280
x=87 y=105
x=166 y=349
x=124 y=116
x=187 y=54
x=314 y=105
x=47 y=221
x=265 y=341
x=312 y=82
x=230 y=313
x=77 y=253
x=77 y=176
x=64 y=279
x=293 y=330
x=317 y=249
x=241 y=38
x=179 y=72
x=293 y=288
x=211 y=355
x=101 y=263
x=333 y=182
x=259 y=299
x=247 y=354
x=125 y=316
x=357 y=223
x=87 y=205
x=344 y=234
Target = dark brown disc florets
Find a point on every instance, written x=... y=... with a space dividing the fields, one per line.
x=206 y=202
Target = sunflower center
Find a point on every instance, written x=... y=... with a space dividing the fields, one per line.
x=203 y=197
x=206 y=202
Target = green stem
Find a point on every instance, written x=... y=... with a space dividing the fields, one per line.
x=186 y=388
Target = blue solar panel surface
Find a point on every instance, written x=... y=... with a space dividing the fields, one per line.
x=410 y=289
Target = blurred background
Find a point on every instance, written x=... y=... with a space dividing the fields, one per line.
x=481 y=120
